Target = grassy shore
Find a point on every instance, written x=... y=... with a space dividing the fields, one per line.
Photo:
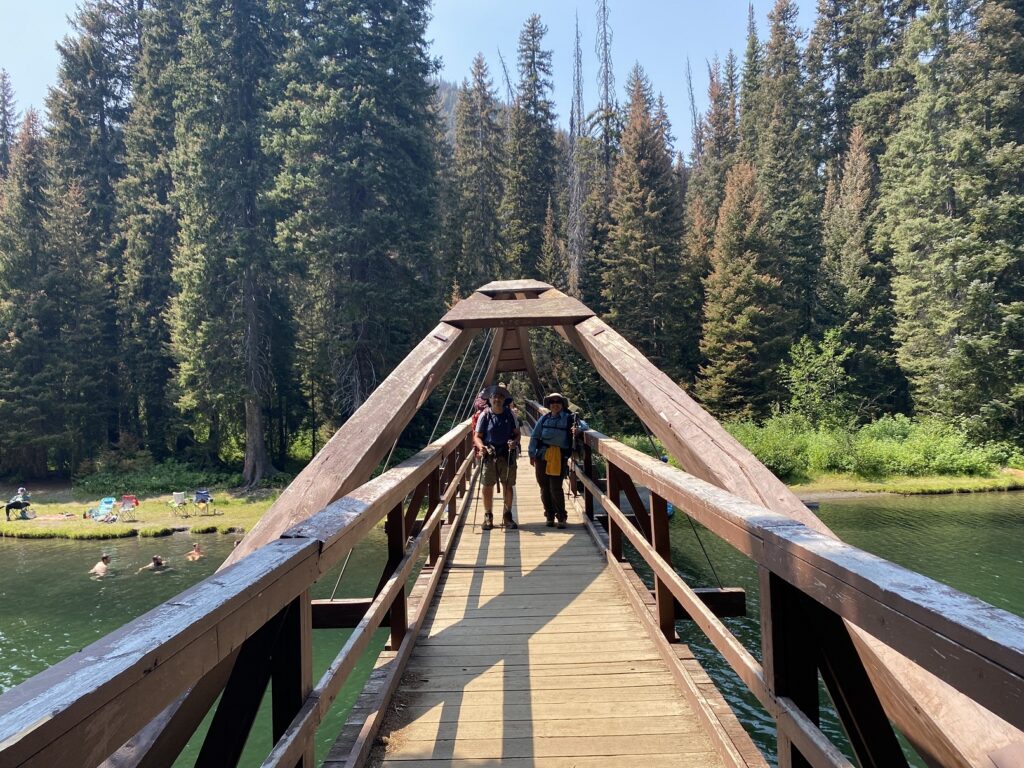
x=59 y=515
x=1005 y=480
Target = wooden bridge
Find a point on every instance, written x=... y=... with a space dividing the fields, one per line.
x=538 y=646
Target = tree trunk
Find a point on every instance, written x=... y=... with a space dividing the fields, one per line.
x=257 y=459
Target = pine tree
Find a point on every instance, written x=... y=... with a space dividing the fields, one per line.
x=8 y=122
x=576 y=218
x=478 y=165
x=853 y=295
x=553 y=265
x=642 y=277
x=224 y=262
x=50 y=309
x=786 y=168
x=889 y=81
x=750 y=110
x=355 y=133
x=719 y=129
x=88 y=109
x=951 y=178
x=74 y=285
x=147 y=231
x=746 y=331
x=26 y=412
x=530 y=169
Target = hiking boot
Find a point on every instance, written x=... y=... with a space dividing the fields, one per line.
x=488 y=521
x=561 y=523
x=550 y=523
x=508 y=521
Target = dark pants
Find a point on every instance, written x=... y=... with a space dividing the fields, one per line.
x=17 y=506
x=551 y=494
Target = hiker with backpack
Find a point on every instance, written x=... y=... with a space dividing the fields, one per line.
x=496 y=440
x=551 y=444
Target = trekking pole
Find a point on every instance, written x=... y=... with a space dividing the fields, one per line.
x=476 y=505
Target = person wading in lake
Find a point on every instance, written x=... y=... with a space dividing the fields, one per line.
x=496 y=441
x=102 y=567
x=550 y=446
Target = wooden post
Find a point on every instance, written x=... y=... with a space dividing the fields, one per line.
x=789 y=656
x=292 y=671
x=433 y=499
x=855 y=699
x=243 y=693
x=640 y=516
x=396 y=549
x=662 y=594
x=588 y=470
x=614 y=532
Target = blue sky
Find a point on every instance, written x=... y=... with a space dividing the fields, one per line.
x=659 y=34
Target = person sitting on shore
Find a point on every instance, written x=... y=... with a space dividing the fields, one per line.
x=195 y=554
x=102 y=567
x=158 y=564
x=18 y=503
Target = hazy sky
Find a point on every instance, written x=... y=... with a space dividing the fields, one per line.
x=659 y=34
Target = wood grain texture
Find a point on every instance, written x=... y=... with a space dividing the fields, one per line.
x=515 y=314
x=532 y=652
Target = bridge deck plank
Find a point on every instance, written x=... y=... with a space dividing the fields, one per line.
x=532 y=655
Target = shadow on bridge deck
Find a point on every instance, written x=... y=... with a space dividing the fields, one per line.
x=532 y=655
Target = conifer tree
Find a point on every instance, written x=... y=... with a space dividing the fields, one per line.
x=224 y=262
x=553 y=265
x=26 y=413
x=642 y=276
x=786 y=165
x=355 y=133
x=746 y=331
x=577 y=193
x=8 y=121
x=530 y=169
x=853 y=295
x=147 y=230
x=951 y=176
x=88 y=109
x=50 y=306
x=719 y=130
x=74 y=285
x=750 y=113
x=478 y=166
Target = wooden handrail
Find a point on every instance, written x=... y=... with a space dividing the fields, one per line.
x=82 y=709
x=976 y=647
x=290 y=746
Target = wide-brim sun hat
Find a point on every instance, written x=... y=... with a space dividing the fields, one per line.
x=548 y=399
x=496 y=389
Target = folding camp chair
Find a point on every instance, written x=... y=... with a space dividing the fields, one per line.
x=202 y=503
x=127 y=512
x=178 y=504
x=104 y=512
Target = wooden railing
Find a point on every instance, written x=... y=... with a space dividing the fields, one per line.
x=809 y=583
x=81 y=710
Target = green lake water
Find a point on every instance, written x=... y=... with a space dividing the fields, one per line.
x=50 y=608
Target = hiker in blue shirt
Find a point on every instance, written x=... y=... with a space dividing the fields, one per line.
x=496 y=440
x=550 y=447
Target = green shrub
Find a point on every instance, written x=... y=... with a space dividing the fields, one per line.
x=780 y=443
x=155 y=532
x=829 y=450
x=156 y=479
x=203 y=529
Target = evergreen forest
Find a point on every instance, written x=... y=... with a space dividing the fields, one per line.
x=237 y=216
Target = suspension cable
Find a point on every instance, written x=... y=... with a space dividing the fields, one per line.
x=455 y=380
x=470 y=390
x=664 y=458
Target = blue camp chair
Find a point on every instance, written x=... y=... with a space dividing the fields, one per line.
x=104 y=512
x=202 y=502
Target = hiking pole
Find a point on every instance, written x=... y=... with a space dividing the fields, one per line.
x=476 y=505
